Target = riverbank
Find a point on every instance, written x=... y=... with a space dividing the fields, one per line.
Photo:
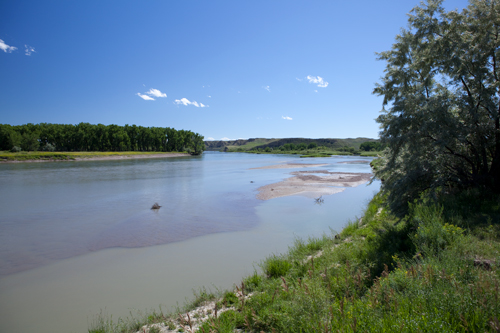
x=34 y=157
x=381 y=273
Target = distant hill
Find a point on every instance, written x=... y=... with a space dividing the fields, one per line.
x=273 y=143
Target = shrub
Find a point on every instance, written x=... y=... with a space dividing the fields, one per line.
x=433 y=234
x=15 y=149
x=48 y=147
x=253 y=282
x=275 y=267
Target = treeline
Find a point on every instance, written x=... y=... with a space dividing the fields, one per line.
x=88 y=137
x=372 y=146
x=291 y=147
x=277 y=143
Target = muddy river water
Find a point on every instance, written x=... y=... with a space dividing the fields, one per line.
x=77 y=238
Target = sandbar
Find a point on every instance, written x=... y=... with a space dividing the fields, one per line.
x=99 y=158
x=313 y=184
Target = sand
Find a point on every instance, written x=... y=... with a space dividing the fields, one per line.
x=102 y=158
x=313 y=184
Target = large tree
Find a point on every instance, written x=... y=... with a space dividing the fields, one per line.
x=441 y=89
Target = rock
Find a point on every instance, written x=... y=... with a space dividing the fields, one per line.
x=156 y=206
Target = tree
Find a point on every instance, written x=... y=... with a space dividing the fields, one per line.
x=442 y=89
x=301 y=146
x=370 y=146
x=197 y=143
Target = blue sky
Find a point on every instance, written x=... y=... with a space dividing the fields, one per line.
x=225 y=69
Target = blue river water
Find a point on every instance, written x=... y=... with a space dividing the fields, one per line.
x=80 y=237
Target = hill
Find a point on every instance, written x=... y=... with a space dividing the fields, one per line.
x=274 y=143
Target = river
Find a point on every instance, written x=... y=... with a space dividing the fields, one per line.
x=77 y=238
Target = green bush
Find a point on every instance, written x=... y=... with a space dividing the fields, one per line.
x=48 y=147
x=275 y=267
x=229 y=299
x=253 y=282
x=433 y=234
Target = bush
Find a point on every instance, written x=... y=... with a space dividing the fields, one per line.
x=253 y=282
x=48 y=147
x=433 y=234
x=276 y=267
x=15 y=149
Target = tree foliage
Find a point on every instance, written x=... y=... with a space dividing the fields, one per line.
x=371 y=146
x=441 y=88
x=87 y=137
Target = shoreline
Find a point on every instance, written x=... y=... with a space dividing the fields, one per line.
x=79 y=158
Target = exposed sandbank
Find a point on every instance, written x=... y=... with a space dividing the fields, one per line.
x=99 y=158
x=312 y=184
x=130 y=157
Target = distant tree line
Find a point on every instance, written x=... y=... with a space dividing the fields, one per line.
x=88 y=137
x=371 y=146
x=365 y=146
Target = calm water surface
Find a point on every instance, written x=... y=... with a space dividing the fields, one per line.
x=78 y=237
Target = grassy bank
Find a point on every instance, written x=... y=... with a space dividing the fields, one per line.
x=68 y=156
x=436 y=270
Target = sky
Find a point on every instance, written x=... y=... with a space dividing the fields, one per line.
x=224 y=69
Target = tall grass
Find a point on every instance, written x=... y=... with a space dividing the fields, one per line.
x=437 y=270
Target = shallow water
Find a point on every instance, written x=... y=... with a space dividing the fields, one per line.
x=77 y=237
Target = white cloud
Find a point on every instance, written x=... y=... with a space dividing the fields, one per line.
x=210 y=139
x=209 y=96
x=317 y=80
x=286 y=118
x=225 y=139
x=267 y=88
x=185 y=101
x=315 y=91
x=298 y=79
x=6 y=48
x=28 y=49
x=145 y=97
x=156 y=93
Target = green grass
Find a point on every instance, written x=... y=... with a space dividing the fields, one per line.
x=315 y=155
x=62 y=156
x=371 y=153
x=302 y=153
x=436 y=270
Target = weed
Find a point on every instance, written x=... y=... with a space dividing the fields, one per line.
x=276 y=266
